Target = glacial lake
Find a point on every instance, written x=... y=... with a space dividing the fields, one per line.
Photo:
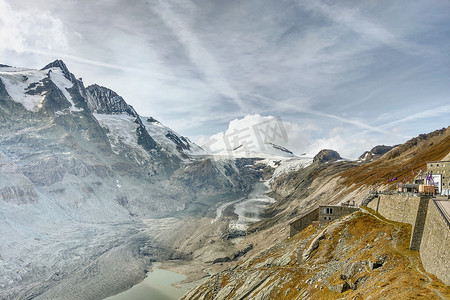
x=157 y=286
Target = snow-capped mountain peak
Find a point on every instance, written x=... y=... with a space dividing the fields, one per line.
x=120 y=119
x=59 y=64
x=31 y=87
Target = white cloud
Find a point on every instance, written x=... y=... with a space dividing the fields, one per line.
x=346 y=145
x=254 y=132
x=28 y=29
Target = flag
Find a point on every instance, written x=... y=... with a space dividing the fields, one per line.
x=404 y=179
x=412 y=170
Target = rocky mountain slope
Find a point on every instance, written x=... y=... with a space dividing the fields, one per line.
x=375 y=153
x=360 y=256
x=91 y=193
x=79 y=172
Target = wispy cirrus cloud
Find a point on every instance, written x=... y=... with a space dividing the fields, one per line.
x=434 y=112
x=200 y=56
x=367 y=68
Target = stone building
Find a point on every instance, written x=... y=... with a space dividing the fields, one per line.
x=328 y=213
x=321 y=215
x=441 y=168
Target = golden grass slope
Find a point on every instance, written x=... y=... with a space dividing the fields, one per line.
x=364 y=257
x=399 y=162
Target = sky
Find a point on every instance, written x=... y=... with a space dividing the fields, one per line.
x=343 y=75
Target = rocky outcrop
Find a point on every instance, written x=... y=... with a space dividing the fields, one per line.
x=102 y=100
x=18 y=194
x=60 y=65
x=326 y=155
x=375 y=153
x=282 y=149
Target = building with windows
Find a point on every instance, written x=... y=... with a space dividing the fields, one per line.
x=440 y=171
x=321 y=215
x=328 y=213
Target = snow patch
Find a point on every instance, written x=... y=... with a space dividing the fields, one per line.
x=19 y=81
x=121 y=131
x=288 y=165
x=57 y=76
x=159 y=133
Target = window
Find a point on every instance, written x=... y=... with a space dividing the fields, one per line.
x=328 y=210
x=437 y=165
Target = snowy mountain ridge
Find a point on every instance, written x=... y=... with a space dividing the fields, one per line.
x=80 y=171
x=115 y=115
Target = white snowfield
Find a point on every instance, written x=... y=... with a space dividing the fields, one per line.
x=19 y=81
x=159 y=133
x=121 y=131
x=288 y=165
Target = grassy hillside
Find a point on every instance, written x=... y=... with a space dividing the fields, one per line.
x=411 y=155
x=359 y=257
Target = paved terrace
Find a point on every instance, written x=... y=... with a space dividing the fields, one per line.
x=444 y=206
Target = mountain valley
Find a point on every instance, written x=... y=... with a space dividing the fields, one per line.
x=92 y=194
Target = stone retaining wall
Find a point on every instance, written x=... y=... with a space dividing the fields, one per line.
x=303 y=222
x=434 y=249
x=430 y=233
x=399 y=208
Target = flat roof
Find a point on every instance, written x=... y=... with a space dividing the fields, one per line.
x=439 y=161
x=445 y=208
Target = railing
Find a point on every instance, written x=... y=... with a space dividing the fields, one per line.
x=444 y=215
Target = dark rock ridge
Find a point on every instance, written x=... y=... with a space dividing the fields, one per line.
x=375 y=153
x=326 y=155
x=181 y=142
x=281 y=148
x=102 y=100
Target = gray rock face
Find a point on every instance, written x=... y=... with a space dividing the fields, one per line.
x=18 y=194
x=281 y=148
x=102 y=100
x=326 y=155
